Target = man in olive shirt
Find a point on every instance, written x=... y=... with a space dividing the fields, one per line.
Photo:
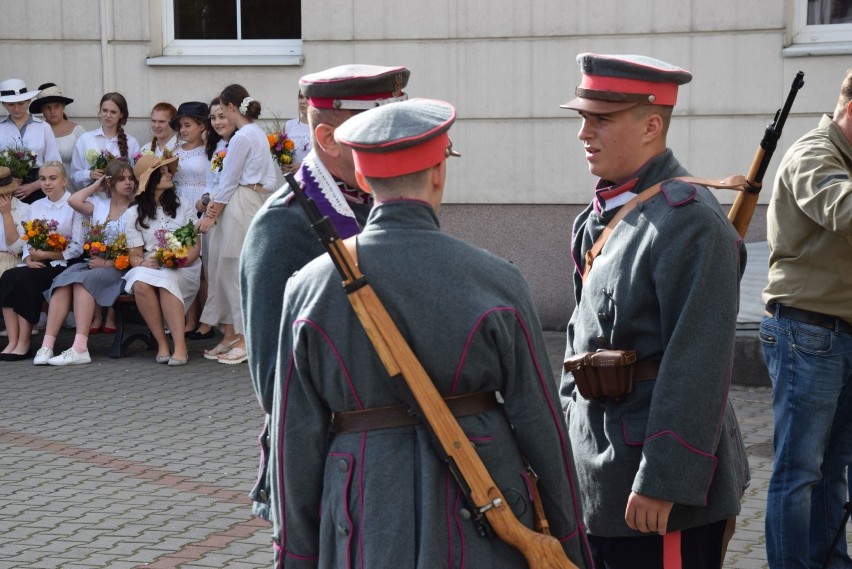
x=806 y=334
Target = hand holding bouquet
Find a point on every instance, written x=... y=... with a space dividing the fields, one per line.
x=173 y=246
x=41 y=234
x=98 y=160
x=103 y=240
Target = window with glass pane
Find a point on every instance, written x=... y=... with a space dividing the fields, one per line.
x=237 y=19
x=822 y=12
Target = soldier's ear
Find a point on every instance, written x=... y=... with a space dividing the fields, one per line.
x=362 y=182
x=653 y=127
x=325 y=140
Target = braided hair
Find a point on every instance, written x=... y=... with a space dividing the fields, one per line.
x=163 y=108
x=121 y=103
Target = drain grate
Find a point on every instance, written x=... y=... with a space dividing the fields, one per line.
x=763 y=450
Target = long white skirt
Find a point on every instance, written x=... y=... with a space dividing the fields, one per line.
x=182 y=282
x=225 y=242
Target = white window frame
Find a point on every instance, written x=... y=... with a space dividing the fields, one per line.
x=223 y=52
x=824 y=39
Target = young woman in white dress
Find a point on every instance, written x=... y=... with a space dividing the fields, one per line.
x=164 y=136
x=247 y=179
x=161 y=293
x=110 y=137
x=51 y=104
x=21 y=130
x=219 y=132
x=299 y=132
x=93 y=284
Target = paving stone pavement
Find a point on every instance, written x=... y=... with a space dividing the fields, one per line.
x=125 y=463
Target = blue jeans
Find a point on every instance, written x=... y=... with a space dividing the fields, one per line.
x=811 y=372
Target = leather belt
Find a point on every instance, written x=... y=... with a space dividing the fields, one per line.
x=398 y=416
x=646 y=370
x=809 y=317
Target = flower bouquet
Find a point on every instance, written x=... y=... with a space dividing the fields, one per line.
x=19 y=160
x=98 y=160
x=103 y=240
x=282 y=147
x=217 y=160
x=41 y=234
x=173 y=246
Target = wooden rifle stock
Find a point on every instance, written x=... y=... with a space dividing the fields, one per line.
x=745 y=202
x=541 y=551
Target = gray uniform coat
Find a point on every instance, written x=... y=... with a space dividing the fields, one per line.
x=382 y=498
x=667 y=285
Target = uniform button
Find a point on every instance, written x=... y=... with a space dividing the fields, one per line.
x=343 y=465
x=268 y=440
x=263 y=496
x=464 y=514
x=603 y=316
x=343 y=529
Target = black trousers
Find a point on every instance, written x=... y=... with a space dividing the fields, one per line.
x=694 y=548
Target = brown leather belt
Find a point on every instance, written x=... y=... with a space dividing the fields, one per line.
x=398 y=415
x=646 y=370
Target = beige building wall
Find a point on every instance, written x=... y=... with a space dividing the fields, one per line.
x=507 y=66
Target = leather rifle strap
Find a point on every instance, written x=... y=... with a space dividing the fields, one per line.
x=737 y=183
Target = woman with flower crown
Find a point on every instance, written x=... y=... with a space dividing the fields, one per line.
x=247 y=179
x=54 y=237
x=219 y=132
x=162 y=293
x=94 y=284
x=21 y=131
x=102 y=144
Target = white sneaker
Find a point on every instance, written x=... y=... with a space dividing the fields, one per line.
x=69 y=358
x=42 y=355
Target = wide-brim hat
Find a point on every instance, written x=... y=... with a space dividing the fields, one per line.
x=147 y=165
x=194 y=109
x=8 y=184
x=48 y=93
x=612 y=83
x=15 y=91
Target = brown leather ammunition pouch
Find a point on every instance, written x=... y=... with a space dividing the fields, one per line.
x=605 y=373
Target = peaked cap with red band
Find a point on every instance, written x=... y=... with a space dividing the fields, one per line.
x=612 y=83
x=400 y=138
x=355 y=87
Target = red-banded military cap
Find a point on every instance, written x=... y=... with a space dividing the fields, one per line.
x=612 y=83
x=355 y=87
x=400 y=138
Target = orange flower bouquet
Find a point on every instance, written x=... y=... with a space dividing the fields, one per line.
x=104 y=241
x=41 y=234
x=282 y=147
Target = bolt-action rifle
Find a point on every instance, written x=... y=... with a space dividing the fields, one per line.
x=453 y=447
x=743 y=208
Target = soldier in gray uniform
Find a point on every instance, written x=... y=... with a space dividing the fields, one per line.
x=282 y=241
x=378 y=496
x=662 y=468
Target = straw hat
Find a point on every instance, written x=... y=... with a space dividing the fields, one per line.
x=7 y=183
x=49 y=93
x=147 y=165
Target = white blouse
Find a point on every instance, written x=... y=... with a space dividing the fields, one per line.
x=65 y=144
x=300 y=134
x=70 y=224
x=36 y=136
x=100 y=213
x=191 y=176
x=144 y=237
x=247 y=162
x=20 y=212
x=97 y=141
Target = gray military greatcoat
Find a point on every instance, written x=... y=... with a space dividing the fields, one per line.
x=666 y=284
x=381 y=498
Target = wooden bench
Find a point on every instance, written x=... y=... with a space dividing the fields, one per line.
x=126 y=313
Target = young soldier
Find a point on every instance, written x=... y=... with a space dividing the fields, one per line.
x=280 y=241
x=377 y=495
x=662 y=468
x=807 y=342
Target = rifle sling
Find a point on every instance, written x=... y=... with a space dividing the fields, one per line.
x=737 y=183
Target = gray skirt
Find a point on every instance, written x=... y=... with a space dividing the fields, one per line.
x=103 y=283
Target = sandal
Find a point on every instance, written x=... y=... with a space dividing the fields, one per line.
x=213 y=354
x=233 y=356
